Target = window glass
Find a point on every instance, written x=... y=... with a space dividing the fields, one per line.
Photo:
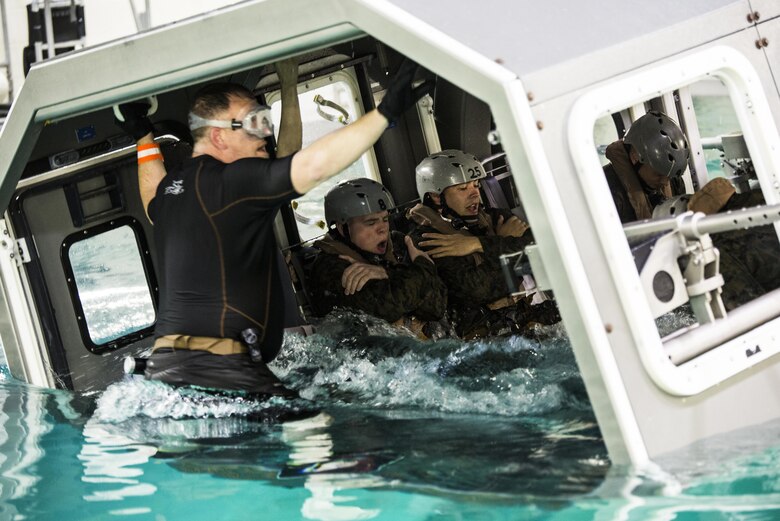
x=318 y=120
x=716 y=118
x=714 y=131
x=604 y=133
x=112 y=287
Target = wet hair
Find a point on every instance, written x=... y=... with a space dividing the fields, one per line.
x=214 y=99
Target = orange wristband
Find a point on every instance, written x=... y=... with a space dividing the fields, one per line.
x=152 y=157
x=148 y=152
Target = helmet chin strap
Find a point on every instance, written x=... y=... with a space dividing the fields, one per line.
x=458 y=221
x=342 y=233
x=430 y=203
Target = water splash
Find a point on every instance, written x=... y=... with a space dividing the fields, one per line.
x=359 y=361
x=355 y=359
x=141 y=398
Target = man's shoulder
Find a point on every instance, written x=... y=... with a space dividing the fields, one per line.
x=427 y=227
x=177 y=179
x=417 y=230
x=255 y=164
x=190 y=167
x=327 y=264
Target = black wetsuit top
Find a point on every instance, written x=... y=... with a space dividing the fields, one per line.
x=213 y=226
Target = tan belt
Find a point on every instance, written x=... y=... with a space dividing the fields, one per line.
x=217 y=346
x=504 y=302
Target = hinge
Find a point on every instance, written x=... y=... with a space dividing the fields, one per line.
x=23 y=252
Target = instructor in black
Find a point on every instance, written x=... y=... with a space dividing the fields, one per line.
x=213 y=220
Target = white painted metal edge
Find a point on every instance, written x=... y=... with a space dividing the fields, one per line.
x=752 y=109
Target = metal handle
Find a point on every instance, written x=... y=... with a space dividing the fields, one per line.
x=152 y=108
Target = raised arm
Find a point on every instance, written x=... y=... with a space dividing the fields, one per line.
x=333 y=152
x=151 y=169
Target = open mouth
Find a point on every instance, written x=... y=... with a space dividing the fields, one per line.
x=472 y=208
x=381 y=247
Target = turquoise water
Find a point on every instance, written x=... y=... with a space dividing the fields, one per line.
x=716 y=117
x=498 y=430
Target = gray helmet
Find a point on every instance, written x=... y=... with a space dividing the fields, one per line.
x=660 y=143
x=443 y=169
x=355 y=197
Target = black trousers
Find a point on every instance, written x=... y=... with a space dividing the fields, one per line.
x=224 y=372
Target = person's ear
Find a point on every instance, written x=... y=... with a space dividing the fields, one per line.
x=216 y=136
x=340 y=228
x=436 y=198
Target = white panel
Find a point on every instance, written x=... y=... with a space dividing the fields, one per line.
x=766 y=9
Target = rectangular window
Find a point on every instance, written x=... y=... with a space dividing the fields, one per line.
x=714 y=268
x=109 y=276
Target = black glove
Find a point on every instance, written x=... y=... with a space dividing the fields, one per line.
x=400 y=95
x=135 y=123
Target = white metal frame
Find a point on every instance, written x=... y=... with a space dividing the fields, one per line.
x=752 y=109
x=33 y=360
x=428 y=123
x=688 y=115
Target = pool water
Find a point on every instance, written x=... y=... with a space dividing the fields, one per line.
x=401 y=430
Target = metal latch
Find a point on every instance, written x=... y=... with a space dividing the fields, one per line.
x=23 y=252
x=342 y=117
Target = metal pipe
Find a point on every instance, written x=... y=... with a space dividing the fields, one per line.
x=136 y=18
x=652 y=226
x=49 y=24
x=695 y=225
x=701 y=339
x=733 y=220
x=7 y=47
x=712 y=143
x=89 y=163
x=143 y=20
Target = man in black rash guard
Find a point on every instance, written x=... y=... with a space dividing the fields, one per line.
x=213 y=220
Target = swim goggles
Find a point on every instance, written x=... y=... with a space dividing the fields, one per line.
x=257 y=122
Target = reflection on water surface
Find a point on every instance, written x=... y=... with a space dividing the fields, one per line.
x=498 y=429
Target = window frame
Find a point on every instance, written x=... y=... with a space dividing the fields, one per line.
x=752 y=108
x=348 y=76
x=73 y=290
